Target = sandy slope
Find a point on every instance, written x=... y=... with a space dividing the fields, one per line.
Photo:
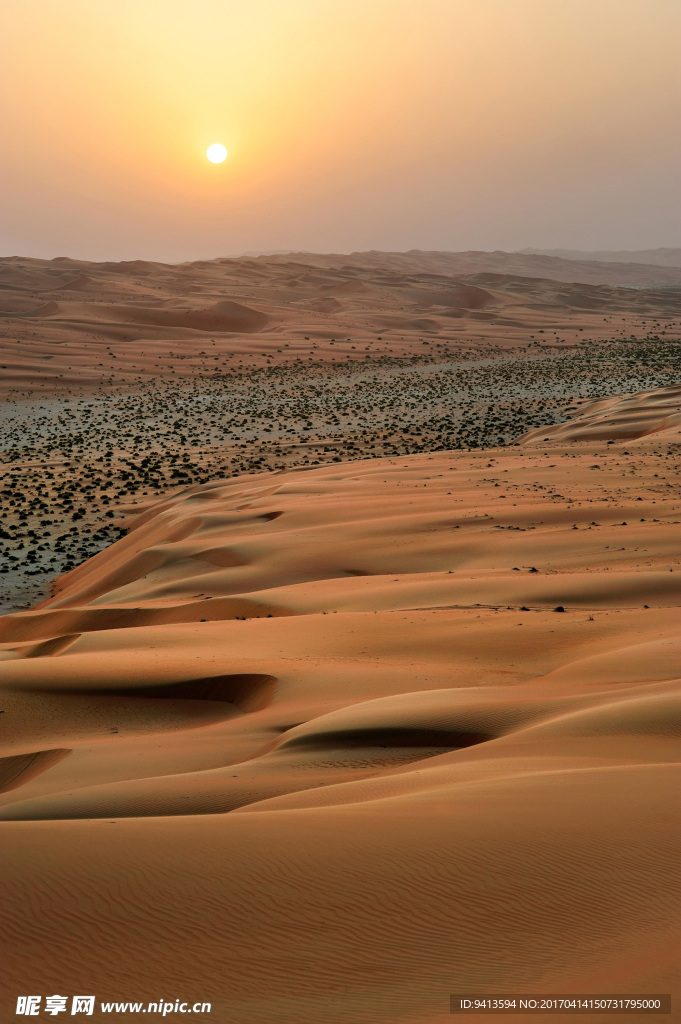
x=624 y=417
x=436 y=780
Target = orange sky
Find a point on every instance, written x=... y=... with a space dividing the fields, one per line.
x=351 y=124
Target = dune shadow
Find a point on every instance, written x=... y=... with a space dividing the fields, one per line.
x=439 y=739
x=246 y=691
x=21 y=768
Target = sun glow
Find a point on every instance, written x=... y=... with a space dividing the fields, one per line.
x=216 y=153
x=316 y=101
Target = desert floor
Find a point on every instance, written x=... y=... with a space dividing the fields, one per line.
x=376 y=695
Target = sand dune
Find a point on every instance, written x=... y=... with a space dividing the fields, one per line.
x=334 y=744
x=657 y=257
x=622 y=418
x=225 y=317
x=68 y=324
x=581 y=267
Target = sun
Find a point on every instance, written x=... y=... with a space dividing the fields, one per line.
x=216 y=153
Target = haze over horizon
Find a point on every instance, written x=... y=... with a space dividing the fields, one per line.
x=476 y=125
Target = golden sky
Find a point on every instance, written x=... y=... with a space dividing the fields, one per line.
x=350 y=124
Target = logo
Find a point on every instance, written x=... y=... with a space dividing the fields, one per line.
x=29 y=1006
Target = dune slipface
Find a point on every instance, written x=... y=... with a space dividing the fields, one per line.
x=332 y=745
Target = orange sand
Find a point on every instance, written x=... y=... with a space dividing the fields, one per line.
x=317 y=746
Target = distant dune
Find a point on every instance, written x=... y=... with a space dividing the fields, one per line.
x=653 y=257
x=584 y=268
x=223 y=317
x=67 y=323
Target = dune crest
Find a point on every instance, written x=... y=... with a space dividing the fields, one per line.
x=620 y=418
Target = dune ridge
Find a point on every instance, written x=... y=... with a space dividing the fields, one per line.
x=621 y=418
x=371 y=733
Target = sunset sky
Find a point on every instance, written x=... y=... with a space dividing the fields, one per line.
x=350 y=125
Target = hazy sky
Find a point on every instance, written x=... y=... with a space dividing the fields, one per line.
x=350 y=124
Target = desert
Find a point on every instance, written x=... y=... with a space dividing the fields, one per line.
x=340 y=654
x=340 y=511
